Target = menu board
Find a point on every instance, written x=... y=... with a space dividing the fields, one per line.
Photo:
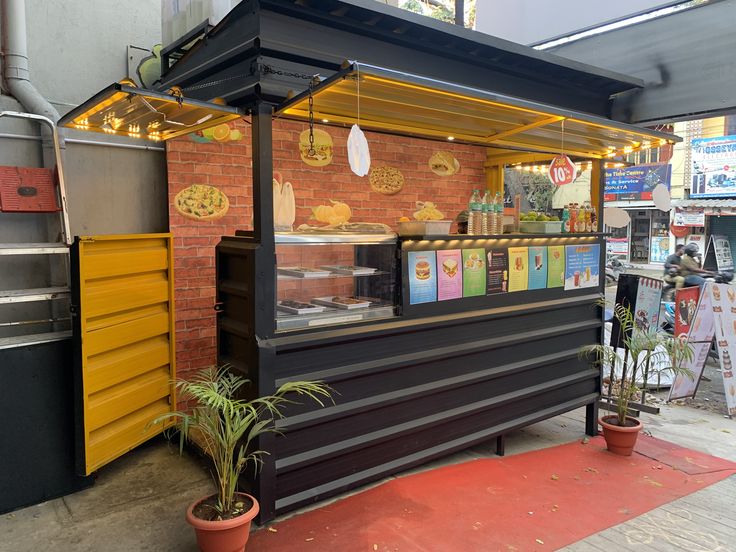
x=686 y=304
x=700 y=338
x=555 y=266
x=474 y=272
x=422 y=270
x=648 y=301
x=518 y=268
x=723 y=297
x=449 y=274
x=498 y=271
x=582 y=266
x=537 y=267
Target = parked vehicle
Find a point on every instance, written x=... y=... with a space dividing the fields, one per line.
x=614 y=268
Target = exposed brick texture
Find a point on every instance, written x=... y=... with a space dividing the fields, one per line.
x=229 y=167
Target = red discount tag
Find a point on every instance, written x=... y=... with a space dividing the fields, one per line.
x=562 y=170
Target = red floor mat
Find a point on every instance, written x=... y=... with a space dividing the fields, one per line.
x=541 y=500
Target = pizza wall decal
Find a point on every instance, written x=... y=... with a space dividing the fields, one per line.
x=201 y=202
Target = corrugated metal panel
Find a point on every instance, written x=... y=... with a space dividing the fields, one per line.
x=126 y=310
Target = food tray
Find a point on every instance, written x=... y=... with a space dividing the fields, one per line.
x=302 y=272
x=540 y=227
x=424 y=227
x=300 y=310
x=328 y=302
x=349 y=269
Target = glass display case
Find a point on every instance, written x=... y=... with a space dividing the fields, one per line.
x=329 y=279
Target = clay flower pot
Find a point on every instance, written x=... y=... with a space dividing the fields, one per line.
x=223 y=536
x=620 y=439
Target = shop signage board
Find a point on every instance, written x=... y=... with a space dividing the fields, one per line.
x=449 y=274
x=659 y=249
x=713 y=167
x=555 y=266
x=689 y=217
x=562 y=170
x=617 y=246
x=686 y=305
x=643 y=296
x=636 y=183
x=537 y=267
x=723 y=298
x=718 y=253
x=582 y=266
x=497 y=281
x=422 y=277
x=697 y=239
x=700 y=338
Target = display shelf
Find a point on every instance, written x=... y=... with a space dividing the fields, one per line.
x=35 y=339
x=30 y=295
x=517 y=236
x=331 y=276
x=318 y=238
x=33 y=248
x=330 y=317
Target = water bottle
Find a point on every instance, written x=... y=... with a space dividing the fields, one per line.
x=498 y=207
x=475 y=214
x=487 y=217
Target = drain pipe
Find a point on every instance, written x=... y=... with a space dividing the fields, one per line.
x=17 y=75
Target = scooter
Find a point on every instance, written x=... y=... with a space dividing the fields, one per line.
x=722 y=277
x=614 y=268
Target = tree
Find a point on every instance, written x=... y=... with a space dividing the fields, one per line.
x=444 y=10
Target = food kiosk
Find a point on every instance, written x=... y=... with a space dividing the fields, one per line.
x=433 y=342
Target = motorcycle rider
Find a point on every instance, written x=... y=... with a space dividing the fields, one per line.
x=672 y=274
x=690 y=267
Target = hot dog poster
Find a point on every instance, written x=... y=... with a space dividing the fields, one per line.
x=422 y=267
x=518 y=268
x=555 y=266
x=537 y=267
x=474 y=272
x=449 y=274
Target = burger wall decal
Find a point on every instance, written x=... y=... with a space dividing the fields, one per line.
x=322 y=154
x=443 y=163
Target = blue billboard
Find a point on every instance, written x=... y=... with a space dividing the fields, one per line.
x=713 y=168
x=637 y=182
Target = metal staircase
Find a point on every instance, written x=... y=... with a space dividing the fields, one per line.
x=22 y=321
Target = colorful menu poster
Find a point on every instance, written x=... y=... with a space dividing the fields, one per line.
x=647 y=305
x=700 y=339
x=422 y=269
x=537 y=267
x=498 y=271
x=686 y=303
x=555 y=266
x=724 y=317
x=581 y=266
x=518 y=268
x=474 y=272
x=449 y=274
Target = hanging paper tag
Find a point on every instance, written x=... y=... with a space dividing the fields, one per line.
x=562 y=170
x=615 y=217
x=661 y=197
x=358 y=154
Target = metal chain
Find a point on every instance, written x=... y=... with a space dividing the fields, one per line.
x=311 y=151
x=272 y=70
x=266 y=70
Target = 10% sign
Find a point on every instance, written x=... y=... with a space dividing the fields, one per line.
x=562 y=170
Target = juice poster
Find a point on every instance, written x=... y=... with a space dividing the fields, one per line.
x=498 y=271
x=555 y=266
x=422 y=270
x=537 y=267
x=518 y=268
x=474 y=272
x=449 y=274
x=581 y=266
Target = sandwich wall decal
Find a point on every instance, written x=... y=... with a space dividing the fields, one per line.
x=443 y=163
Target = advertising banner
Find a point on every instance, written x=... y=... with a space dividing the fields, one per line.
x=718 y=250
x=617 y=246
x=659 y=249
x=498 y=271
x=518 y=268
x=555 y=266
x=686 y=304
x=700 y=338
x=689 y=218
x=582 y=266
x=422 y=267
x=723 y=297
x=449 y=274
x=642 y=295
x=537 y=267
x=637 y=182
x=474 y=272
x=713 y=167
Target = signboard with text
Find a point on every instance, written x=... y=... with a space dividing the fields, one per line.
x=689 y=217
x=713 y=167
x=636 y=183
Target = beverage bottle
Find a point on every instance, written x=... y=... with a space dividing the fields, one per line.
x=579 y=218
x=566 y=220
x=498 y=206
x=573 y=219
x=593 y=219
x=487 y=214
x=475 y=213
x=588 y=218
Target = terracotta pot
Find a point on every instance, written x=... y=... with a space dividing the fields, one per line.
x=620 y=439
x=223 y=536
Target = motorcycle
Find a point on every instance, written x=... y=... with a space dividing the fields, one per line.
x=614 y=268
x=721 y=277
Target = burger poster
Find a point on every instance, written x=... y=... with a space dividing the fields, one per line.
x=555 y=266
x=422 y=266
x=474 y=272
x=449 y=274
x=498 y=271
x=518 y=268
x=537 y=267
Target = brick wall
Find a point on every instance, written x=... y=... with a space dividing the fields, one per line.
x=228 y=166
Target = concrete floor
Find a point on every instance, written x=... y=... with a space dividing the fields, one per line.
x=138 y=501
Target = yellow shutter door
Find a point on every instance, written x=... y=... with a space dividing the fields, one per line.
x=125 y=310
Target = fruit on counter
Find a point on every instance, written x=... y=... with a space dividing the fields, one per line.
x=335 y=214
x=427 y=211
x=538 y=217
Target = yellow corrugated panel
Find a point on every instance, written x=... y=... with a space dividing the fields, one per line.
x=127 y=322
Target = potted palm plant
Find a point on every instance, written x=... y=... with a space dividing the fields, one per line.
x=646 y=347
x=227 y=427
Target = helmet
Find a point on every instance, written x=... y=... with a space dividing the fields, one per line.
x=691 y=249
